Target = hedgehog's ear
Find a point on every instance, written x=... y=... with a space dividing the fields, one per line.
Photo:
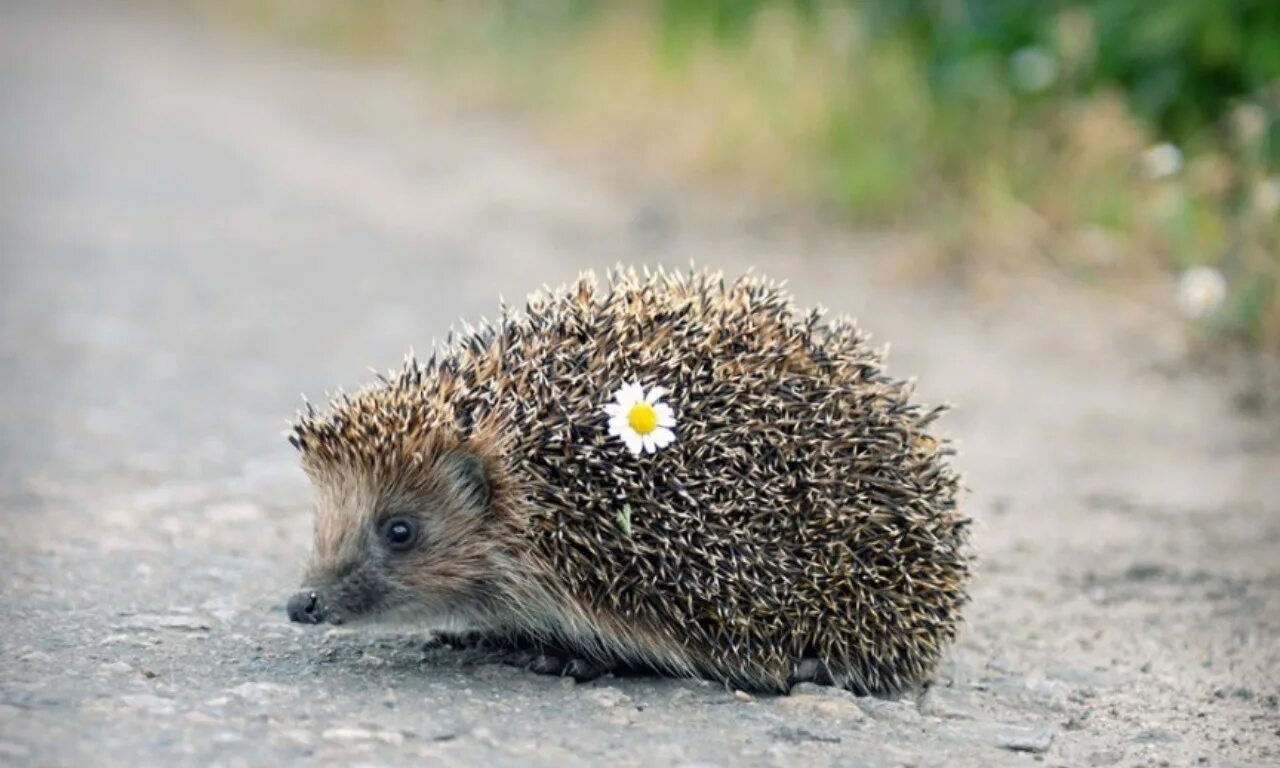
x=470 y=479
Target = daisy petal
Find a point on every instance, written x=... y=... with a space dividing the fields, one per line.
x=650 y=445
x=613 y=409
x=618 y=426
x=654 y=394
x=630 y=394
x=666 y=416
x=634 y=442
x=663 y=437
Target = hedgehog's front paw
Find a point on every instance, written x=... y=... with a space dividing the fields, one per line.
x=465 y=641
x=548 y=661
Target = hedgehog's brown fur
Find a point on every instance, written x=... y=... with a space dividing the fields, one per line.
x=805 y=514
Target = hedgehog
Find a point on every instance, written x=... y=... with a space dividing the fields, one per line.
x=797 y=520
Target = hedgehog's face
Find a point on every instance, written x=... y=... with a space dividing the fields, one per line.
x=418 y=544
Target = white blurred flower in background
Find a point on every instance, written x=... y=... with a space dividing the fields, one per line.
x=1266 y=197
x=1160 y=161
x=1201 y=292
x=1033 y=69
x=1250 y=122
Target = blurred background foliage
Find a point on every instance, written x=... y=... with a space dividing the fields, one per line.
x=1126 y=142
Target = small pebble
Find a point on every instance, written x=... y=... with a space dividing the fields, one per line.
x=156 y=705
x=1157 y=735
x=881 y=709
x=362 y=734
x=813 y=689
x=682 y=695
x=802 y=735
x=299 y=735
x=263 y=692
x=947 y=703
x=233 y=512
x=743 y=696
x=608 y=697
x=832 y=707
x=1105 y=757
x=176 y=621
x=1033 y=740
x=807 y=689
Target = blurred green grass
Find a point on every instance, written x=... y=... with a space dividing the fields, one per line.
x=1123 y=142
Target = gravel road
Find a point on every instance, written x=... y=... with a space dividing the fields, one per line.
x=197 y=227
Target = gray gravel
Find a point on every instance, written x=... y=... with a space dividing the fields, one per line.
x=196 y=228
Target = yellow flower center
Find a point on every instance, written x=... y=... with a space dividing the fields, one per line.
x=643 y=418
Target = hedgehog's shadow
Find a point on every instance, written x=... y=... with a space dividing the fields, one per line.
x=476 y=649
x=535 y=656
x=413 y=651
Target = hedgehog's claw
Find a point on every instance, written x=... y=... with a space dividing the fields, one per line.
x=549 y=661
x=583 y=670
x=465 y=640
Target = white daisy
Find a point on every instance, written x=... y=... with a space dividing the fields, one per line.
x=642 y=421
x=1201 y=291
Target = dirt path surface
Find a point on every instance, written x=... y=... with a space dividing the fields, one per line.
x=195 y=229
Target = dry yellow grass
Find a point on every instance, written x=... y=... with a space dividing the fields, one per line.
x=822 y=111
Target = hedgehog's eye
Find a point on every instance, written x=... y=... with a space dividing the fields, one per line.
x=401 y=533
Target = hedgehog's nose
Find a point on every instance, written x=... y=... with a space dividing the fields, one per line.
x=306 y=607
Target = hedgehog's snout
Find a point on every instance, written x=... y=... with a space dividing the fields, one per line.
x=307 y=607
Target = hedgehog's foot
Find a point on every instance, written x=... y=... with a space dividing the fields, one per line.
x=554 y=661
x=526 y=653
x=466 y=641
x=811 y=671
